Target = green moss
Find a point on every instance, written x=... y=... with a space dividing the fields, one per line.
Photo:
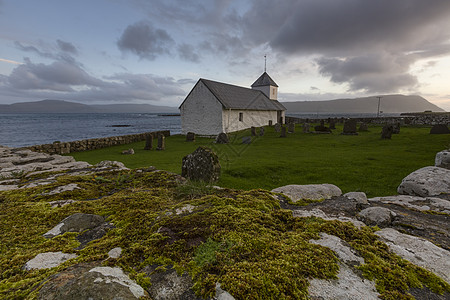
x=242 y=239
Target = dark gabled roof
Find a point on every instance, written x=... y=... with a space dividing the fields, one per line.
x=264 y=80
x=236 y=97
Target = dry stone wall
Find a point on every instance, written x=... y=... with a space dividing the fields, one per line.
x=92 y=144
x=404 y=119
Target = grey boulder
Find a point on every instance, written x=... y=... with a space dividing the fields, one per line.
x=442 y=159
x=314 y=192
x=86 y=281
x=359 y=197
x=380 y=216
x=427 y=181
x=418 y=251
x=48 y=260
x=75 y=223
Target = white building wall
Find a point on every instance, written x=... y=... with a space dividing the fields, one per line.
x=201 y=112
x=250 y=118
x=269 y=90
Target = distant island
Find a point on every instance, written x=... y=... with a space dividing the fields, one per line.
x=60 y=106
x=388 y=104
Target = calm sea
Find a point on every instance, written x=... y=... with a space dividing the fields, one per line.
x=18 y=130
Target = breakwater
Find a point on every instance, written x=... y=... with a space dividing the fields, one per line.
x=92 y=144
x=404 y=119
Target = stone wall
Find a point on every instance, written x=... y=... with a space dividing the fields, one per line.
x=406 y=119
x=92 y=144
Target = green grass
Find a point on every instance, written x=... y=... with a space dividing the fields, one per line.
x=354 y=163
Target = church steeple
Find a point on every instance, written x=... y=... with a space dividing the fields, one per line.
x=266 y=84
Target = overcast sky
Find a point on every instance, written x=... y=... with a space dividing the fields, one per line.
x=148 y=51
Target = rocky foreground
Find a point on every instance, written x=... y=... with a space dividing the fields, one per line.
x=69 y=230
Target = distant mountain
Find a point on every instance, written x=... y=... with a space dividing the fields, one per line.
x=59 y=106
x=388 y=104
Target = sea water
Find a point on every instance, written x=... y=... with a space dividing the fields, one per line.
x=18 y=130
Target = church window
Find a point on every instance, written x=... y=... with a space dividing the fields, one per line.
x=241 y=117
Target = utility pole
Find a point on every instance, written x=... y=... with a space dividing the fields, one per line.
x=378 y=111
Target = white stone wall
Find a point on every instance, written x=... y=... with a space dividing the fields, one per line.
x=251 y=118
x=201 y=113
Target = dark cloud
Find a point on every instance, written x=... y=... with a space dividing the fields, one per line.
x=378 y=72
x=188 y=52
x=62 y=80
x=145 y=41
x=369 y=45
x=62 y=51
x=57 y=76
x=67 y=47
x=331 y=26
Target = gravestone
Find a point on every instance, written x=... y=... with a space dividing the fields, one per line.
x=306 y=127
x=253 y=130
x=332 y=124
x=291 y=128
x=283 y=131
x=386 y=132
x=396 y=128
x=190 y=137
x=261 y=131
x=322 y=128
x=246 y=140
x=277 y=127
x=363 y=127
x=350 y=127
x=148 y=142
x=270 y=122
x=201 y=165
x=161 y=142
x=222 y=138
x=439 y=129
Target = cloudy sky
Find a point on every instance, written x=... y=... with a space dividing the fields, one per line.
x=151 y=51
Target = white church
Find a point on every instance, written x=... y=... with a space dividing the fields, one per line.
x=213 y=107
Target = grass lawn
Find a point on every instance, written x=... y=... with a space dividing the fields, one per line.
x=354 y=163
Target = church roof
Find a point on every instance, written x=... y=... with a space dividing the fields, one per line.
x=264 y=80
x=237 y=97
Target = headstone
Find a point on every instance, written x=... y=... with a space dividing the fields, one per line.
x=322 y=128
x=306 y=128
x=363 y=127
x=261 y=131
x=291 y=128
x=283 y=131
x=332 y=124
x=190 y=137
x=350 y=127
x=439 y=129
x=247 y=140
x=128 y=151
x=222 y=138
x=148 y=142
x=396 y=128
x=270 y=122
x=202 y=164
x=253 y=130
x=161 y=142
x=386 y=132
x=277 y=127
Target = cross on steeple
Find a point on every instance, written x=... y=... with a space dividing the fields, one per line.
x=265 y=62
